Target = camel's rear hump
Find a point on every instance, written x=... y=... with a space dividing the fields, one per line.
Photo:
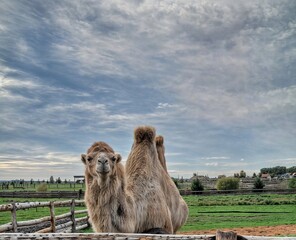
x=144 y=133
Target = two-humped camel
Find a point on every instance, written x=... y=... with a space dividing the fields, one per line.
x=144 y=199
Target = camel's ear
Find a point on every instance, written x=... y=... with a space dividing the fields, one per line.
x=117 y=156
x=83 y=158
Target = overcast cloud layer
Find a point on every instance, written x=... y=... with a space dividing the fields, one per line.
x=216 y=78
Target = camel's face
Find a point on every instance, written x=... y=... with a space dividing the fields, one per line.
x=100 y=164
x=104 y=163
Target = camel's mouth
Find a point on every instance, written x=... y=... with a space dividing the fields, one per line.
x=104 y=172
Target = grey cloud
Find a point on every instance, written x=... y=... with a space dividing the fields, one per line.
x=217 y=78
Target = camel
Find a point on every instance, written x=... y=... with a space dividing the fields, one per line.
x=144 y=176
x=147 y=200
x=110 y=207
x=175 y=202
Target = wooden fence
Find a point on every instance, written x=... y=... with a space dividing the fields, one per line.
x=238 y=192
x=65 y=222
x=122 y=236
x=34 y=194
x=80 y=194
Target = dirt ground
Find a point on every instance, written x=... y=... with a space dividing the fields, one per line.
x=282 y=230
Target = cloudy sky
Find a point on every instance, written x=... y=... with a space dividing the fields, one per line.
x=216 y=78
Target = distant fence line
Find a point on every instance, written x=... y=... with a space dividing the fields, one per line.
x=51 y=194
x=238 y=192
x=69 y=222
x=80 y=194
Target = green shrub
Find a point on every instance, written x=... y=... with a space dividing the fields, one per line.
x=42 y=187
x=196 y=185
x=228 y=183
x=176 y=182
x=292 y=183
x=258 y=184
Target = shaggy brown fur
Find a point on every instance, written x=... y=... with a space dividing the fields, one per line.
x=96 y=147
x=109 y=206
x=177 y=205
x=160 y=152
x=100 y=147
x=144 y=173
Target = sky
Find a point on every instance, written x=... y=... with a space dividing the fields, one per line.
x=217 y=79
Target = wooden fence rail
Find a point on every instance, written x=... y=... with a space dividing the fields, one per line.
x=119 y=236
x=34 y=194
x=14 y=225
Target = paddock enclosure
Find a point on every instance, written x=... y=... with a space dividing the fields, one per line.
x=67 y=225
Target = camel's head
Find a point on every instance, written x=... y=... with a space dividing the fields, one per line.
x=100 y=164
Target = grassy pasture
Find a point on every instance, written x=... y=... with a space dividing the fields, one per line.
x=227 y=211
x=206 y=212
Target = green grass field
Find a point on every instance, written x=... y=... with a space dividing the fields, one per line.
x=207 y=212
x=227 y=211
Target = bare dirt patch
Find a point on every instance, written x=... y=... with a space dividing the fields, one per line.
x=281 y=230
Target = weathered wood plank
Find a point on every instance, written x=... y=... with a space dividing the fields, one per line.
x=44 y=230
x=5 y=227
x=119 y=236
x=13 y=217
x=62 y=216
x=81 y=219
x=64 y=225
x=226 y=235
x=81 y=211
x=52 y=217
x=33 y=222
x=73 y=216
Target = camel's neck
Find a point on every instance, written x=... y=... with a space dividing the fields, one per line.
x=108 y=198
x=88 y=179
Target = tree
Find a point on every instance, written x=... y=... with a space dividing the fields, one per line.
x=176 y=182
x=258 y=184
x=292 y=183
x=274 y=171
x=31 y=181
x=291 y=169
x=236 y=175
x=242 y=174
x=22 y=181
x=254 y=175
x=58 y=180
x=228 y=183
x=196 y=185
x=182 y=180
x=51 y=179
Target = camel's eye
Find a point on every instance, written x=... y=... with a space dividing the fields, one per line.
x=113 y=159
x=89 y=158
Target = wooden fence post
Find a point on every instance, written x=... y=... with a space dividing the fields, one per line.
x=13 y=217
x=52 y=217
x=73 y=216
x=226 y=235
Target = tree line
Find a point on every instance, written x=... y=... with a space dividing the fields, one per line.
x=278 y=170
